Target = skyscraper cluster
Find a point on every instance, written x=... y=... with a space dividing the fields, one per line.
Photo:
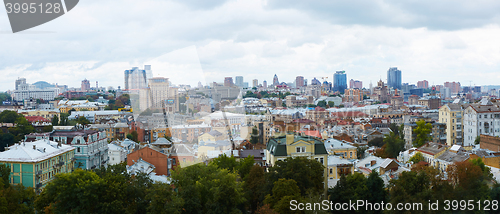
x=394 y=78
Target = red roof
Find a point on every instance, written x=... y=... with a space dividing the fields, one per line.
x=36 y=119
x=314 y=133
x=301 y=120
x=319 y=109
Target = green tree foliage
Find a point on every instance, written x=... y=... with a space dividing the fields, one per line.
x=82 y=120
x=360 y=151
x=241 y=167
x=376 y=188
x=393 y=145
x=422 y=131
x=417 y=158
x=163 y=200
x=208 y=189
x=64 y=119
x=469 y=181
x=411 y=187
x=17 y=199
x=22 y=128
x=308 y=173
x=55 y=120
x=5 y=97
x=322 y=104
x=8 y=116
x=331 y=103
x=254 y=139
x=254 y=187
x=351 y=187
x=477 y=140
x=378 y=142
x=4 y=175
x=284 y=191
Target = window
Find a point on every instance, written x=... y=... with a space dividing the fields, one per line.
x=78 y=149
x=300 y=149
x=350 y=154
x=331 y=171
x=479 y=116
x=321 y=160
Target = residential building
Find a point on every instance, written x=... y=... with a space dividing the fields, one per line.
x=136 y=78
x=299 y=81
x=394 y=78
x=85 y=85
x=339 y=81
x=255 y=83
x=480 y=118
x=280 y=148
x=162 y=162
x=340 y=149
x=432 y=102
x=453 y=86
x=451 y=115
x=34 y=164
x=228 y=81
x=423 y=84
x=353 y=95
x=189 y=133
x=336 y=168
x=355 y=84
x=431 y=151
x=116 y=154
x=298 y=101
x=438 y=133
x=91 y=149
x=380 y=92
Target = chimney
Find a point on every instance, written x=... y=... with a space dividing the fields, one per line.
x=373 y=162
x=59 y=144
x=34 y=147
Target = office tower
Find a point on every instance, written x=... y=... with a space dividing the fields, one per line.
x=339 y=81
x=255 y=83
x=355 y=84
x=454 y=86
x=136 y=78
x=264 y=84
x=299 y=81
x=275 y=80
x=394 y=78
x=85 y=85
x=239 y=81
x=20 y=81
x=423 y=84
x=228 y=81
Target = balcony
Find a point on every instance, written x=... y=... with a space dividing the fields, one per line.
x=38 y=185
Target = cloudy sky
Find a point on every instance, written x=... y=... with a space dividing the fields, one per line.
x=197 y=40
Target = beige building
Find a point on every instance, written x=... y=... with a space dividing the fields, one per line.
x=451 y=115
x=163 y=94
x=47 y=114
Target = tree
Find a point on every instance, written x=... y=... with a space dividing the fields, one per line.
x=360 y=151
x=378 y=142
x=163 y=199
x=82 y=120
x=477 y=140
x=322 y=104
x=71 y=110
x=376 y=188
x=208 y=189
x=422 y=132
x=254 y=139
x=64 y=119
x=254 y=187
x=4 y=175
x=331 y=103
x=349 y=188
x=284 y=191
x=308 y=173
x=393 y=145
x=9 y=116
x=417 y=158
x=55 y=120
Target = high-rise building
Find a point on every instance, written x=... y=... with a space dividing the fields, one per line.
x=85 y=85
x=394 y=78
x=163 y=95
x=20 y=81
x=264 y=84
x=228 y=81
x=355 y=84
x=136 y=78
x=255 y=83
x=339 y=81
x=275 y=80
x=423 y=84
x=239 y=81
x=299 y=81
x=454 y=86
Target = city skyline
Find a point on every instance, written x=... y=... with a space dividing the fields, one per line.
x=259 y=38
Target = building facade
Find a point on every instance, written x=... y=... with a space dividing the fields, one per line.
x=339 y=81
x=394 y=78
x=34 y=164
x=451 y=115
x=481 y=118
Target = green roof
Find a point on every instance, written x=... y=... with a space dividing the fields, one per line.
x=277 y=146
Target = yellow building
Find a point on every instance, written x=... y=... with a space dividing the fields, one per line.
x=79 y=105
x=34 y=164
x=211 y=136
x=340 y=149
x=47 y=114
x=451 y=115
x=280 y=148
x=338 y=166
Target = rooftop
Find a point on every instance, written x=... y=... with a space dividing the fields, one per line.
x=34 y=151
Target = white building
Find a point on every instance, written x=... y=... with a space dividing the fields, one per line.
x=481 y=118
x=27 y=91
x=116 y=154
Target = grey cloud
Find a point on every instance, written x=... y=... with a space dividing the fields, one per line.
x=437 y=15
